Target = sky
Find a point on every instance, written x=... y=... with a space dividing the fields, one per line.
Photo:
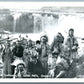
x=36 y=5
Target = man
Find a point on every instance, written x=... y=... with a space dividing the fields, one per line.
x=38 y=48
x=45 y=49
x=18 y=50
x=71 y=45
x=27 y=53
x=7 y=59
x=17 y=53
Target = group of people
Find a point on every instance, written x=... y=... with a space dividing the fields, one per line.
x=39 y=59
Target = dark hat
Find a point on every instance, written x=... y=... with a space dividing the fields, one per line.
x=37 y=42
x=71 y=29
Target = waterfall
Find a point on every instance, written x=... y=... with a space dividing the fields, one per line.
x=15 y=16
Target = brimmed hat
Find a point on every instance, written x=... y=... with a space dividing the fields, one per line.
x=71 y=29
x=45 y=37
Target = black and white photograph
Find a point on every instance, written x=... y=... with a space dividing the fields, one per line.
x=41 y=40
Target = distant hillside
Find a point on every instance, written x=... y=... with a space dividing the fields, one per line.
x=64 y=9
